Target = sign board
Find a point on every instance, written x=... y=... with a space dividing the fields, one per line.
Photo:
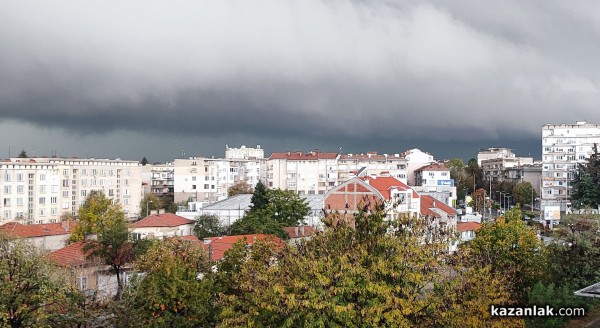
x=552 y=213
x=449 y=182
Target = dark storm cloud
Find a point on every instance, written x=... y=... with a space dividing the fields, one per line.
x=438 y=71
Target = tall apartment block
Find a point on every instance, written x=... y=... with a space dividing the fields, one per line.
x=563 y=146
x=40 y=190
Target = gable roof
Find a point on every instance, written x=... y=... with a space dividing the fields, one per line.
x=428 y=204
x=433 y=167
x=15 y=229
x=219 y=245
x=468 y=226
x=69 y=256
x=161 y=220
x=385 y=184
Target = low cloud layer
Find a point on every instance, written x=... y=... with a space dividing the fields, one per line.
x=301 y=69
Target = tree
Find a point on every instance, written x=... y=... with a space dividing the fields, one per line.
x=151 y=202
x=512 y=249
x=586 y=183
x=23 y=154
x=170 y=293
x=259 y=198
x=557 y=297
x=274 y=210
x=374 y=273
x=144 y=161
x=33 y=293
x=96 y=215
x=523 y=193
x=208 y=225
x=241 y=187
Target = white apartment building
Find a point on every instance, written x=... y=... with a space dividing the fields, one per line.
x=494 y=153
x=433 y=175
x=370 y=164
x=416 y=159
x=40 y=190
x=563 y=146
x=207 y=180
x=244 y=153
x=304 y=173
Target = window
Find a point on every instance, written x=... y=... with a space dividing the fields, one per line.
x=20 y=177
x=82 y=283
x=193 y=187
x=20 y=201
x=42 y=200
x=7 y=214
x=65 y=183
x=42 y=177
x=66 y=172
x=8 y=190
x=193 y=178
x=431 y=174
x=65 y=205
x=54 y=188
x=53 y=200
x=111 y=192
x=42 y=212
x=65 y=193
x=53 y=211
x=84 y=182
x=42 y=189
x=7 y=177
x=206 y=186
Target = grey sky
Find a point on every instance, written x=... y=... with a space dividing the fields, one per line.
x=134 y=78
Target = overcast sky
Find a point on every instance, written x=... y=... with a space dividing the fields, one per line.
x=154 y=78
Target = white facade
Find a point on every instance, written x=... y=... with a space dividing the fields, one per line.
x=415 y=159
x=40 y=190
x=244 y=153
x=393 y=165
x=563 y=146
x=494 y=153
x=207 y=179
x=304 y=173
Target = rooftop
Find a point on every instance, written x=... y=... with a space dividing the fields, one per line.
x=71 y=255
x=161 y=220
x=15 y=229
x=467 y=226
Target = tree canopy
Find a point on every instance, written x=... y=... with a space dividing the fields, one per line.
x=586 y=183
x=96 y=215
x=208 y=225
x=241 y=187
x=151 y=202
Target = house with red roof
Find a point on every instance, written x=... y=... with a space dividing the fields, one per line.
x=162 y=226
x=433 y=175
x=49 y=236
x=442 y=213
x=296 y=234
x=467 y=230
x=350 y=196
x=90 y=274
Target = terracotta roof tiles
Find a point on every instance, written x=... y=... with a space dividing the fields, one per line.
x=15 y=229
x=161 y=220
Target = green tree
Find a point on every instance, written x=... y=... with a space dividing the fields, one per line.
x=208 y=225
x=241 y=187
x=276 y=210
x=96 y=215
x=512 y=249
x=23 y=154
x=151 y=202
x=586 y=183
x=369 y=274
x=556 y=297
x=144 y=161
x=170 y=293
x=523 y=193
x=33 y=292
x=259 y=198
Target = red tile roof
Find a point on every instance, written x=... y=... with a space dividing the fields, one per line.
x=161 y=220
x=385 y=184
x=311 y=156
x=467 y=226
x=434 y=167
x=69 y=256
x=428 y=202
x=308 y=231
x=15 y=229
x=218 y=245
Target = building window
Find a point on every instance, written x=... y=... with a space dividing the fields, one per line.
x=193 y=187
x=65 y=183
x=42 y=189
x=66 y=172
x=42 y=200
x=20 y=177
x=206 y=186
x=65 y=193
x=82 y=283
x=53 y=200
x=53 y=212
x=7 y=190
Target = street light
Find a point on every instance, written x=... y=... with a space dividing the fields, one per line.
x=148 y=202
x=501 y=197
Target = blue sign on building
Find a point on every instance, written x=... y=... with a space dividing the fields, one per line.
x=448 y=183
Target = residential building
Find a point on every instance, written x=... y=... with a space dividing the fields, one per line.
x=47 y=236
x=350 y=196
x=527 y=173
x=217 y=246
x=244 y=153
x=496 y=169
x=234 y=208
x=563 y=147
x=494 y=153
x=433 y=175
x=40 y=190
x=351 y=165
x=161 y=226
x=297 y=234
x=162 y=180
x=304 y=173
x=416 y=159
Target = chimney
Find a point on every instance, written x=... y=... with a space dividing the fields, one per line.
x=66 y=224
x=295 y=231
x=434 y=203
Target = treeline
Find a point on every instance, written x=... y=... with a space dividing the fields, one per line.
x=361 y=271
